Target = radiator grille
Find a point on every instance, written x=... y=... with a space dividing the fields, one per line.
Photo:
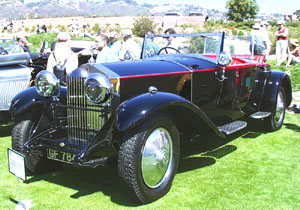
x=9 y=89
x=84 y=117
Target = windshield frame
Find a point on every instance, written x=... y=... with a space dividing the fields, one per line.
x=220 y=36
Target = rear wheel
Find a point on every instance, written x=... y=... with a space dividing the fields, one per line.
x=148 y=159
x=275 y=121
x=23 y=130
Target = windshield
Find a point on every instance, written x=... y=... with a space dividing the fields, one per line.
x=7 y=44
x=240 y=46
x=199 y=43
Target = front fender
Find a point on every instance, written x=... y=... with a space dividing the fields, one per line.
x=277 y=80
x=137 y=109
x=28 y=99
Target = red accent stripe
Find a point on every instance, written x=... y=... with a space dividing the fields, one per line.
x=239 y=66
x=154 y=75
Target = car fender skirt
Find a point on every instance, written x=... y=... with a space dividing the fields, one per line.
x=28 y=99
x=136 y=110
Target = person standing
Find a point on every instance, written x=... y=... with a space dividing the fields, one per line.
x=281 y=43
x=114 y=42
x=257 y=43
x=172 y=41
x=130 y=49
x=105 y=55
x=266 y=38
x=62 y=60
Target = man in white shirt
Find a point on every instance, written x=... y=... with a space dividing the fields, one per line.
x=266 y=38
x=257 y=43
x=130 y=49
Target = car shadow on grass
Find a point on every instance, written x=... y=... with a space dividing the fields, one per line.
x=87 y=181
x=5 y=130
x=292 y=127
x=209 y=147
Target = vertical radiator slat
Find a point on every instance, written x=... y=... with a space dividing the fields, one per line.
x=84 y=117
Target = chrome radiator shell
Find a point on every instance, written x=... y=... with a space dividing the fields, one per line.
x=84 y=118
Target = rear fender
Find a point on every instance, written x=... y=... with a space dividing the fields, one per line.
x=136 y=110
x=28 y=99
x=278 y=79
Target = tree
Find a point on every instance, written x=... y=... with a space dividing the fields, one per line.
x=142 y=25
x=240 y=10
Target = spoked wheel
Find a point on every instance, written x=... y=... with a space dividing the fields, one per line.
x=275 y=121
x=148 y=159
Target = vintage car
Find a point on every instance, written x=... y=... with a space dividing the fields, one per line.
x=137 y=111
x=14 y=76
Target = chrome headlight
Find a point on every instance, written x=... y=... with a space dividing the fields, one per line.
x=97 y=88
x=46 y=83
x=224 y=59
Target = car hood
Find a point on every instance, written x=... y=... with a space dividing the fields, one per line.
x=156 y=67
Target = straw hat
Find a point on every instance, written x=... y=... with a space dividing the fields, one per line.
x=264 y=23
x=127 y=32
x=294 y=42
x=63 y=37
x=256 y=26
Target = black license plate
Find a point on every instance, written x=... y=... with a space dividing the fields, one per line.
x=60 y=155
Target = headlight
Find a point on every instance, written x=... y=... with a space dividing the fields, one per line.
x=46 y=83
x=224 y=59
x=97 y=88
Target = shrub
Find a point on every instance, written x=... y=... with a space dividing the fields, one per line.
x=33 y=28
x=234 y=32
x=142 y=25
x=241 y=33
x=96 y=28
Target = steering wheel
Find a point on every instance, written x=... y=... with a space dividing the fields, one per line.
x=3 y=51
x=165 y=49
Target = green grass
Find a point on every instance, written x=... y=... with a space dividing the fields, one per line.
x=250 y=170
x=294 y=76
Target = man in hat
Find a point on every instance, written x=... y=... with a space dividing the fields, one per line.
x=266 y=38
x=258 y=45
x=281 y=43
x=106 y=55
x=294 y=54
x=130 y=50
x=114 y=42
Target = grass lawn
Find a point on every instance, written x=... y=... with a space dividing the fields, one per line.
x=250 y=170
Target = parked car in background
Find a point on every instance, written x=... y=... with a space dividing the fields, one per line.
x=18 y=71
x=137 y=111
x=14 y=76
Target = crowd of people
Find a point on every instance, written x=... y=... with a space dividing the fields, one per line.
x=110 y=49
x=287 y=50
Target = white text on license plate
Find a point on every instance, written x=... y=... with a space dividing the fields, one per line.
x=60 y=155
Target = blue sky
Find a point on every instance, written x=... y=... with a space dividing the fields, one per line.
x=265 y=6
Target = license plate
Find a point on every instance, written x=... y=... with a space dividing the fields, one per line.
x=60 y=155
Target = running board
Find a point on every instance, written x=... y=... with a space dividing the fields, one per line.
x=232 y=127
x=260 y=115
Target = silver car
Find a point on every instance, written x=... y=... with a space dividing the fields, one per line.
x=14 y=76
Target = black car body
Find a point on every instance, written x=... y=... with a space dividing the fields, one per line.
x=135 y=110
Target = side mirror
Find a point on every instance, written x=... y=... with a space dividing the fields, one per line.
x=224 y=59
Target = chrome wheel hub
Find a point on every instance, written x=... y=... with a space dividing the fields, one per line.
x=156 y=157
x=279 y=108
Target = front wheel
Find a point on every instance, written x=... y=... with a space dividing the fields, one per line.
x=275 y=121
x=23 y=130
x=148 y=159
